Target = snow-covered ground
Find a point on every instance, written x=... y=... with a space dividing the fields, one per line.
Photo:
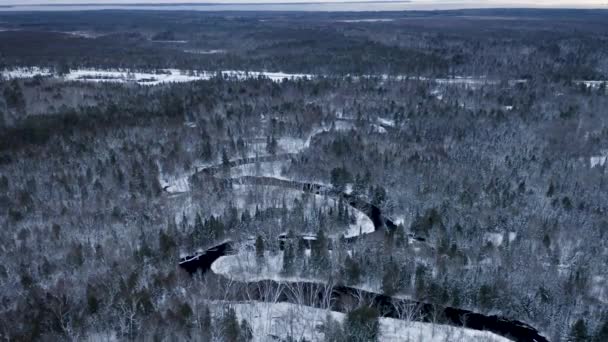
x=244 y=267
x=266 y=169
x=272 y=196
x=270 y=321
x=497 y=239
x=598 y=161
x=146 y=78
x=592 y=84
x=386 y=121
x=296 y=145
x=371 y=20
x=205 y=52
x=174 y=75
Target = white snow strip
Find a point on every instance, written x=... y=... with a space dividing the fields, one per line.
x=387 y=122
x=147 y=78
x=598 y=161
x=280 y=321
x=495 y=239
x=371 y=20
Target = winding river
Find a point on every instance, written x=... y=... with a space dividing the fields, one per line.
x=338 y=297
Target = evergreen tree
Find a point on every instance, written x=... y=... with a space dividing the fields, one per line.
x=352 y=271
x=205 y=324
x=601 y=335
x=391 y=278
x=259 y=249
x=246 y=331
x=230 y=326
x=199 y=230
x=332 y=330
x=319 y=253
x=362 y=325
x=288 y=260
x=225 y=159
x=165 y=244
x=271 y=145
x=578 y=333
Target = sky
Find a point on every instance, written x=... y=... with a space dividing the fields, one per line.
x=415 y=3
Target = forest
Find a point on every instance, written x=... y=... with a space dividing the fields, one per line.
x=435 y=160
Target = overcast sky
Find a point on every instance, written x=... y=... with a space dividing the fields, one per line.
x=415 y=3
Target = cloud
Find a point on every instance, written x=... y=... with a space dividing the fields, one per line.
x=413 y=4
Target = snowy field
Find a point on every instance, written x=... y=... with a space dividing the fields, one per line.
x=278 y=321
x=265 y=169
x=146 y=78
x=161 y=76
x=244 y=267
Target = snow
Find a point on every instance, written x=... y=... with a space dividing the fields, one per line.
x=296 y=145
x=598 y=161
x=270 y=321
x=495 y=239
x=378 y=129
x=178 y=185
x=176 y=75
x=146 y=78
x=170 y=41
x=386 y=122
x=512 y=236
x=266 y=169
x=205 y=52
x=272 y=196
x=371 y=20
x=592 y=84
x=244 y=267
x=25 y=72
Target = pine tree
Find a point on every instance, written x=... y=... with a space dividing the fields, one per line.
x=352 y=271
x=206 y=324
x=225 y=159
x=601 y=335
x=259 y=249
x=165 y=244
x=362 y=325
x=271 y=145
x=230 y=326
x=246 y=331
x=288 y=260
x=578 y=333
x=320 y=253
x=391 y=279
x=199 y=230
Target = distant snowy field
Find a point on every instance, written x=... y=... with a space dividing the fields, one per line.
x=146 y=78
x=278 y=321
x=160 y=76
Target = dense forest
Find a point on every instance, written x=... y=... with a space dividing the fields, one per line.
x=490 y=160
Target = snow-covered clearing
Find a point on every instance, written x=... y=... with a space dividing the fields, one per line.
x=592 y=84
x=170 y=41
x=244 y=267
x=160 y=76
x=270 y=321
x=371 y=20
x=266 y=169
x=598 y=161
x=205 y=52
x=146 y=78
x=386 y=122
x=296 y=145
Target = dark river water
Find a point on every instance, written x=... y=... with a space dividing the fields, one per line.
x=340 y=297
